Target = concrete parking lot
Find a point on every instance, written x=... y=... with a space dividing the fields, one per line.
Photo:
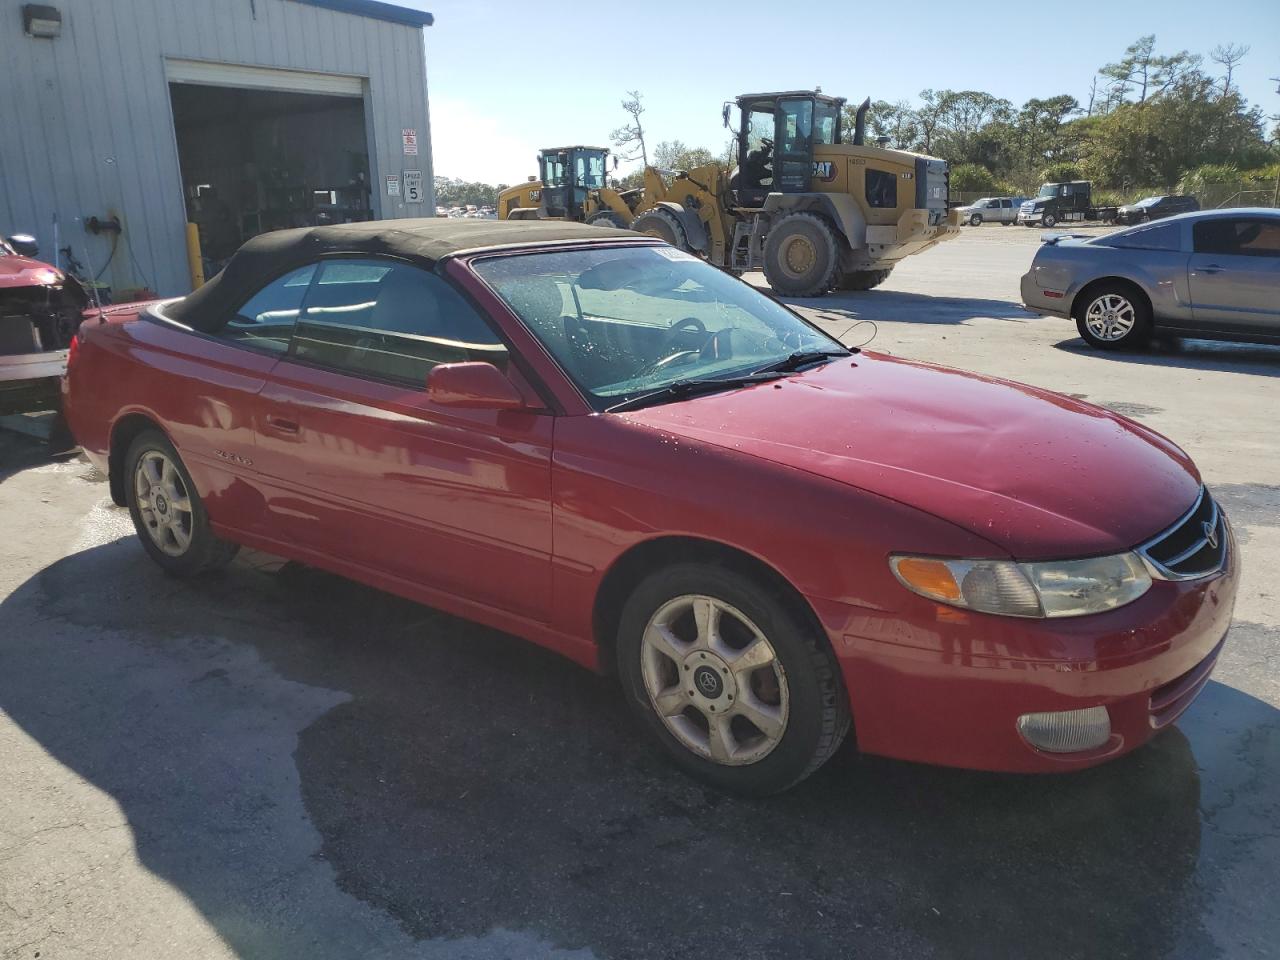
x=277 y=763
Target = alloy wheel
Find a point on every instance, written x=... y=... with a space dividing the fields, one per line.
x=1110 y=317
x=715 y=680
x=164 y=503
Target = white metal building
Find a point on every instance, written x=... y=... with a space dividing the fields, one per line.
x=240 y=116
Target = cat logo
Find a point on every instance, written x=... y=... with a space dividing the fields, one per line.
x=824 y=170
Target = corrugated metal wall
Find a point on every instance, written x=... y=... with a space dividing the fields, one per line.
x=86 y=126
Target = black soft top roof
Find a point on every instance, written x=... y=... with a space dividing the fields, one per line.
x=426 y=241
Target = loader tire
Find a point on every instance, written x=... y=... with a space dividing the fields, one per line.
x=862 y=279
x=607 y=218
x=662 y=224
x=801 y=258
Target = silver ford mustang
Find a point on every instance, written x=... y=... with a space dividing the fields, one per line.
x=1212 y=274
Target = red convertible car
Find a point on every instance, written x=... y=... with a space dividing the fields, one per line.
x=592 y=440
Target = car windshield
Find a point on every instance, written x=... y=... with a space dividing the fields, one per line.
x=626 y=321
x=1048 y=190
x=1148 y=201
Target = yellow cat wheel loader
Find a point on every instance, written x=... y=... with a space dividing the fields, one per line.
x=573 y=186
x=809 y=203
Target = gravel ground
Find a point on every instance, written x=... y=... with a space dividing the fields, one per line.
x=277 y=763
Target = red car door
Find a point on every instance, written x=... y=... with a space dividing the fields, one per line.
x=364 y=469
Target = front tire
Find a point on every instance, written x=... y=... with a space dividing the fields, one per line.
x=800 y=256
x=167 y=512
x=736 y=683
x=975 y=220
x=662 y=224
x=1114 y=317
x=1049 y=220
x=607 y=218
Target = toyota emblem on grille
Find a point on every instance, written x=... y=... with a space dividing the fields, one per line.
x=1210 y=535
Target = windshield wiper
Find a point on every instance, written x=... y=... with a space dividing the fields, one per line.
x=692 y=387
x=800 y=359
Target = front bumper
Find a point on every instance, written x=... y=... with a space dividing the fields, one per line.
x=31 y=381
x=949 y=691
x=1030 y=219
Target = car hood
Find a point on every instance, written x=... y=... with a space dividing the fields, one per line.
x=1036 y=473
x=18 y=271
x=1131 y=208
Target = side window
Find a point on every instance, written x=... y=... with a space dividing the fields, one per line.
x=1006 y=204
x=1166 y=236
x=266 y=319
x=1246 y=238
x=1259 y=238
x=882 y=188
x=389 y=321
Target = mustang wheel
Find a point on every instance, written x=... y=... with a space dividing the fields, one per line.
x=166 y=510
x=1112 y=317
x=736 y=684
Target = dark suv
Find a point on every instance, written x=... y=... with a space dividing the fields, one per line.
x=1153 y=208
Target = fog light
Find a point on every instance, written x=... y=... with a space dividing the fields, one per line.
x=1066 y=731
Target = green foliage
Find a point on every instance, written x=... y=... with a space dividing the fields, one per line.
x=674 y=155
x=459 y=193
x=1152 y=118
x=1060 y=173
x=972 y=178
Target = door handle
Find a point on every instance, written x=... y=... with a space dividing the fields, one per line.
x=1212 y=268
x=283 y=425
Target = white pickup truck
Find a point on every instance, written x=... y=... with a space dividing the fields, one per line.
x=1001 y=210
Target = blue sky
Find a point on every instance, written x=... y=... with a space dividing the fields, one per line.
x=507 y=77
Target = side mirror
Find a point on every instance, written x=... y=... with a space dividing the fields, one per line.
x=24 y=245
x=613 y=159
x=474 y=384
x=724 y=116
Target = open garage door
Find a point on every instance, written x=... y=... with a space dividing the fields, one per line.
x=265 y=149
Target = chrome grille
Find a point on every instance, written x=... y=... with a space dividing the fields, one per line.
x=1195 y=546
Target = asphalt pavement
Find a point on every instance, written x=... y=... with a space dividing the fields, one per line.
x=278 y=763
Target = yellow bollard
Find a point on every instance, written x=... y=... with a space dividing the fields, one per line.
x=194 y=263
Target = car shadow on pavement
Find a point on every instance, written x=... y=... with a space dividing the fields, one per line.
x=282 y=740
x=893 y=306
x=1259 y=359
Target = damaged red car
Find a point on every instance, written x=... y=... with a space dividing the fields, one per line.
x=600 y=443
x=40 y=310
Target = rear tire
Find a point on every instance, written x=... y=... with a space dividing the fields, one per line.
x=662 y=224
x=676 y=680
x=167 y=512
x=1114 y=316
x=801 y=258
x=607 y=218
x=862 y=279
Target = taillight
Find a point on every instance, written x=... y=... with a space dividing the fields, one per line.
x=73 y=350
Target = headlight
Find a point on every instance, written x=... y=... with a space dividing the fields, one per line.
x=1058 y=588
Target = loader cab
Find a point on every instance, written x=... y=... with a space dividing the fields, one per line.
x=569 y=174
x=776 y=141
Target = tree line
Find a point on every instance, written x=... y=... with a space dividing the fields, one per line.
x=1152 y=121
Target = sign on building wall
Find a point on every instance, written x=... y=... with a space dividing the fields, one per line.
x=393 y=186
x=413 y=186
x=409 y=137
